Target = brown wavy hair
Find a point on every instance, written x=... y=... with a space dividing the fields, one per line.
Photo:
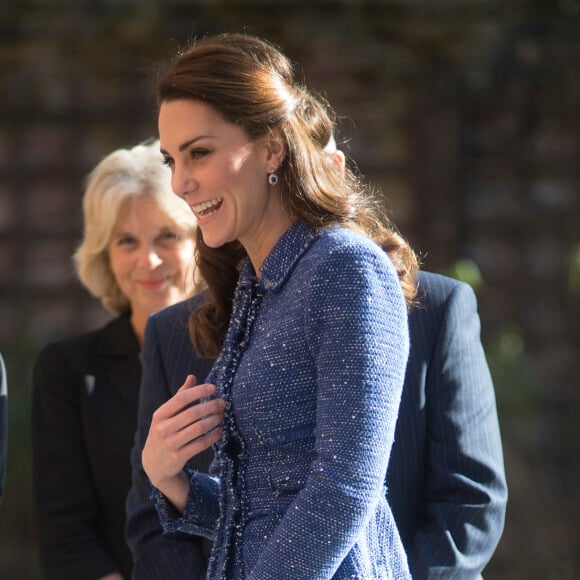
x=252 y=84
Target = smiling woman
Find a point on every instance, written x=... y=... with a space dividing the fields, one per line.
x=150 y=257
x=306 y=310
x=136 y=256
x=128 y=203
x=219 y=171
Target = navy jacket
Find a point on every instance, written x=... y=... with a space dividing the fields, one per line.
x=86 y=391
x=446 y=477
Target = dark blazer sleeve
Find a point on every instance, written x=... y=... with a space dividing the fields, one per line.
x=66 y=507
x=167 y=358
x=465 y=487
x=3 y=425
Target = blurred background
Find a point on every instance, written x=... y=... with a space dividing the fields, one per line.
x=465 y=112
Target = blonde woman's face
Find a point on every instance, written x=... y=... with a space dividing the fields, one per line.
x=150 y=257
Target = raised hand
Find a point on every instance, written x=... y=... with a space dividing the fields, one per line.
x=181 y=428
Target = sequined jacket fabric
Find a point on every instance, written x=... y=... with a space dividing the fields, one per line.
x=312 y=369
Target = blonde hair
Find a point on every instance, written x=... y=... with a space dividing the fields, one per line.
x=121 y=175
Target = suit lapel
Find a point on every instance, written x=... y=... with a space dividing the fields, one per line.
x=118 y=351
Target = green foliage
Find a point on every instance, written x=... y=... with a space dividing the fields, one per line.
x=510 y=362
x=513 y=372
x=467 y=271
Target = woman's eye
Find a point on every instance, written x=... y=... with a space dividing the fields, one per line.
x=167 y=238
x=168 y=161
x=125 y=241
x=198 y=153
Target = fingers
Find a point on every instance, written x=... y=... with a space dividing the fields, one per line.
x=189 y=423
x=187 y=394
x=194 y=414
x=182 y=419
x=201 y=443
x=175 y=457
x=190 y=381
x=198 y=429
x=167 y=450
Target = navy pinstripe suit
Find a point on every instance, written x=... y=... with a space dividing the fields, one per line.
x=446 y=480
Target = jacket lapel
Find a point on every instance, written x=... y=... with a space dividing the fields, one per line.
x=118 y=350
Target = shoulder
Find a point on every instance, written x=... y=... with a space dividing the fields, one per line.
x=442 y=303
x=72 y=346
x=346 y=271
x=339 y=248
x=339 y=238
x=176 y=315
x=438 y=292
x=167 y=331
x=80 y=349
x=168 y=351
x=349 y=270
x=60 y=361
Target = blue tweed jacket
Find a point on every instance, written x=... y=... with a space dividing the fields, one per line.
x=447 y=487
x=446 y=478
x=312 y=368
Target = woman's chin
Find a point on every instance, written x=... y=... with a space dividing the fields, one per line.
x=211 y=241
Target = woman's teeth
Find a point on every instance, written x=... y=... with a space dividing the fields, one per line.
x=207 y=207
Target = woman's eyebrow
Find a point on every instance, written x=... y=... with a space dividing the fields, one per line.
x=188 y=143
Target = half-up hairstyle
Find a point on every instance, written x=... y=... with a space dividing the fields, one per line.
x=251 y=84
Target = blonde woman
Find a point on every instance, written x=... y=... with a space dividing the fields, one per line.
x=136 y=257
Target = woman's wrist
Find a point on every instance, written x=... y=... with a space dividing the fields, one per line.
x=175 y=490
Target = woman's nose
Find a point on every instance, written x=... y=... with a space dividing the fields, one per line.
x=182 y=181
x=149 y=257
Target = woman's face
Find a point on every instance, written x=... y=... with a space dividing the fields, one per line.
x=223 y=175
x=150 y=256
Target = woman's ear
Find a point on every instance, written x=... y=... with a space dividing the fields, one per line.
x=275 y=151
x=338 y=160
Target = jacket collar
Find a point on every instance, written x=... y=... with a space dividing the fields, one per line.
x=118 y=343
x=282 y=259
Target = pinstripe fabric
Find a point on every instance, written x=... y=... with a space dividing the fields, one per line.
x=167 y=358
x=446 y=480
x=446 y=476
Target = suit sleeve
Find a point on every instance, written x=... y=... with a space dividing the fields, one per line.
x=466 y=488
x=156 y=557
x=66 y=507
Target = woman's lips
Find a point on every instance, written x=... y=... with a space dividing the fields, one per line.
x=206 y=208
x=153 y=283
